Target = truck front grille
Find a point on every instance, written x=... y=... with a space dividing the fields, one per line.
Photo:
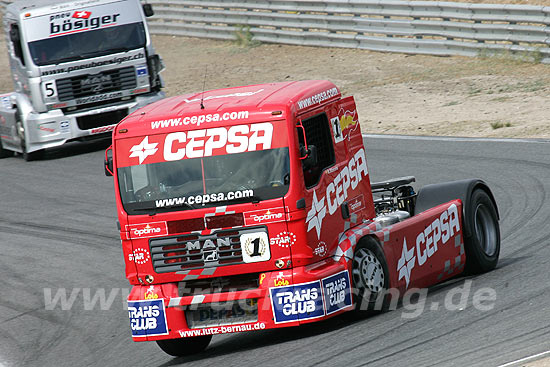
x=101 y=119
x=193 y=251
x=233 y=283
x=93 y=84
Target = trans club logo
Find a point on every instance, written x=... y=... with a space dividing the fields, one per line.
x=337 y=292
x=147 y=318
x=297 y=302
x=311 y=300
x=264 y=216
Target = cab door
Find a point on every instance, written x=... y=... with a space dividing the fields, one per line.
x=337 y=184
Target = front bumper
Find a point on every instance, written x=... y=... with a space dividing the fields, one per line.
x=54 y=128
x=283 y=298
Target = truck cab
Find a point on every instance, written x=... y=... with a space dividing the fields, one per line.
x=251 y=208
x=78 y=68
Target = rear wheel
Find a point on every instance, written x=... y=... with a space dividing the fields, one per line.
x=483 y=245
x=370 y=277
x=185 y=346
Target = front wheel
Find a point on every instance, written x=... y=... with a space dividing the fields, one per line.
x=32 y=156
x=483 y=244
x=4 y=153
x=185 y=346
x=371 y=277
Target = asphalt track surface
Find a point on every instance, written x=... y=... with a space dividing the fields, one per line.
x=57 y=230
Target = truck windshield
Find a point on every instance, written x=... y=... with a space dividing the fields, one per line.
x=84 y=45
x=205 y=182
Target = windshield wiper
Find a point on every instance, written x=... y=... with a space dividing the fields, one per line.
x=253 y=199
x=98 y=53
x=67 y=59
x=153 y=211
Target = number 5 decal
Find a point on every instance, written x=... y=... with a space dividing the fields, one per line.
x=255 y=247
x=49 y=89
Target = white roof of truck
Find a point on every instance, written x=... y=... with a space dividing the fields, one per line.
x=42 y=7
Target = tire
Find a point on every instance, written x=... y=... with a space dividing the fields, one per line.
x=483 y=246
x=26 y=155
x=370 y=278
x=4 y=153
x=185 y=346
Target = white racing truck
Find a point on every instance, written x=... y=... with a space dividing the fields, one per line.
x=78 y=68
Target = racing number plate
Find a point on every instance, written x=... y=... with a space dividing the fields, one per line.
x=255 y=247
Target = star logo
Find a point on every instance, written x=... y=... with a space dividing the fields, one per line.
x=143 y=150
x=406 y=262
x=82 y=14
x=316 y=214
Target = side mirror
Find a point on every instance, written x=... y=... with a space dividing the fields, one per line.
x=108 y=163
x=310 y=158
x=148 y=10
x=14 y=35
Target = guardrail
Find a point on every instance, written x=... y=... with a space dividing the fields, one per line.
x=417 y=27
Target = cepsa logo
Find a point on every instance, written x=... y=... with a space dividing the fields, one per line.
x=264 y=216
x=80 y=20
x=206 y=142
x=337 y=191
x=147 y=229
x=428 y=242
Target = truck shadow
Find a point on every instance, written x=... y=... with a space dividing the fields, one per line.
x=76 y=148
x=243 y=342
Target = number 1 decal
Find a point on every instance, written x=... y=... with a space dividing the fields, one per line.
x=336 y=129
x=255 y=247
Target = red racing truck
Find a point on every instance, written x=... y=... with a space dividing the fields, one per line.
x=251 y=208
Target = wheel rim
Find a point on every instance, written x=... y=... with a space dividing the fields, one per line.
x=369 y=270
x=485 y=230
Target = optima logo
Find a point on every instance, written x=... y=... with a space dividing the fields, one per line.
x=267 y=216
x=264 y=216
x=147 y=229
x=79 y=21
